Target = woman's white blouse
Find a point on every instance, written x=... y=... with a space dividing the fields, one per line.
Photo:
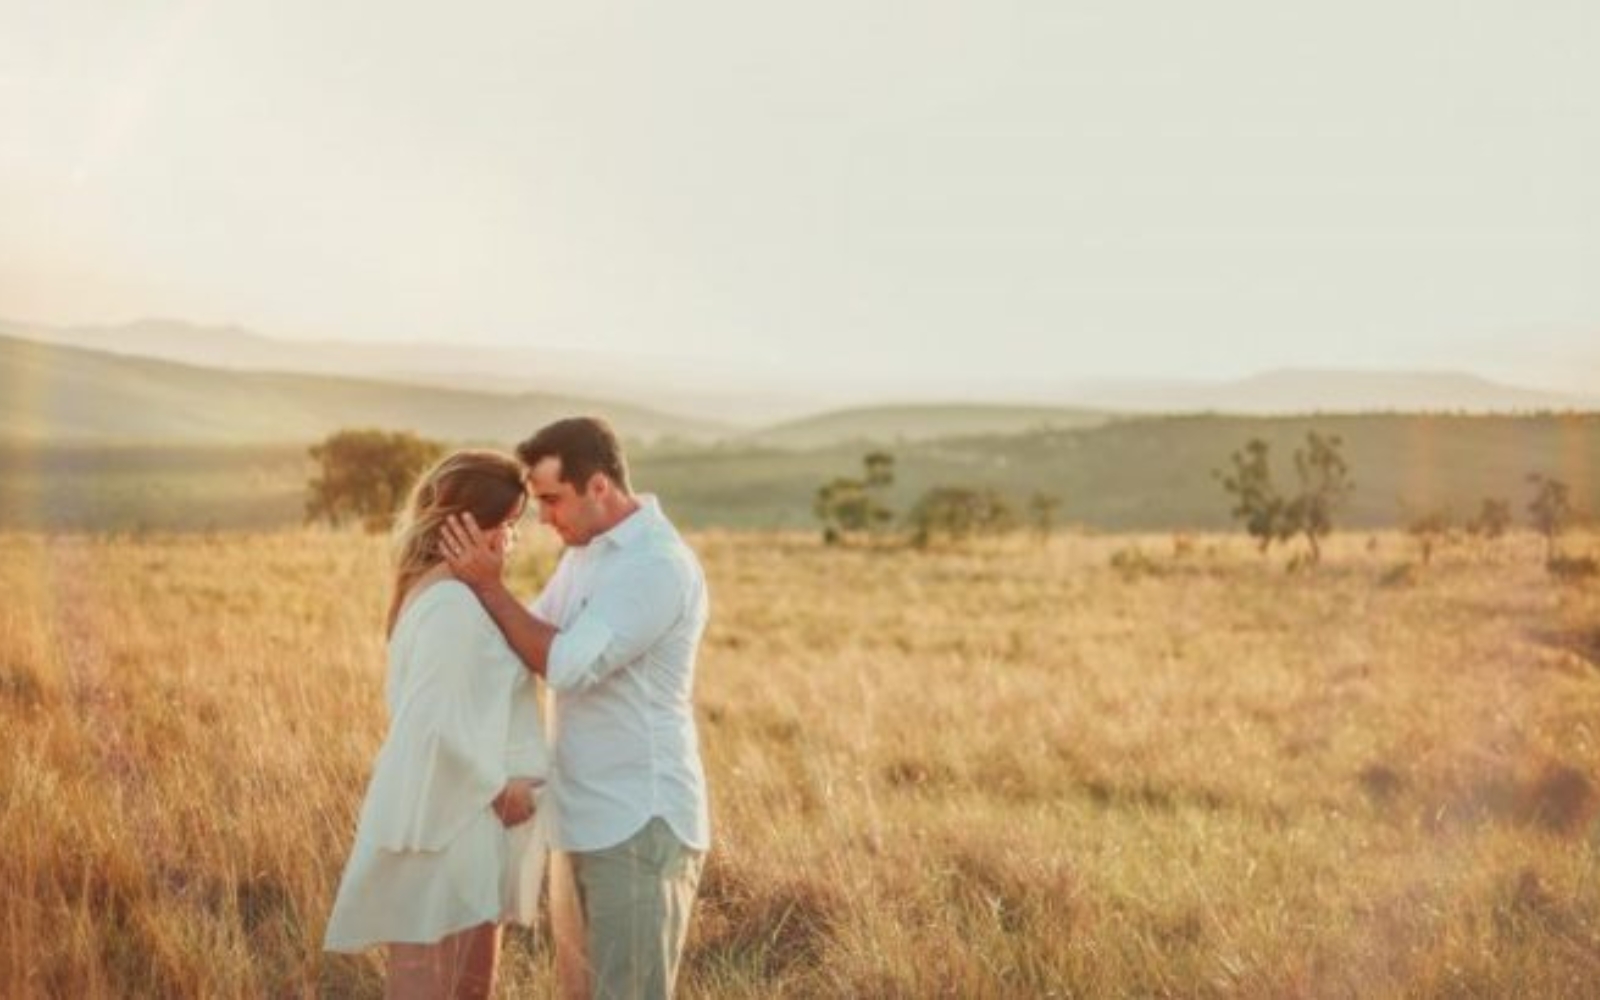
x=430 y=856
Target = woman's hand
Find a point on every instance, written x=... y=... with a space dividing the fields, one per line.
x=514 y=805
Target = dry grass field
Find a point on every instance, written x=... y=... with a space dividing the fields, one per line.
x=1008 y=770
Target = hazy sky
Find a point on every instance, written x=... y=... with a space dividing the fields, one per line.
x=979 y=190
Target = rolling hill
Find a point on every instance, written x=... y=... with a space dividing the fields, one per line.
x=1155 y=473
x=69 y=394
x=64 y=394
x=673 y=383
x=897 y=424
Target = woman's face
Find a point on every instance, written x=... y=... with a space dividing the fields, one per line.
x=503 y=538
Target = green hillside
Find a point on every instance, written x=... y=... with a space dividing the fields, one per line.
x=1142 y=474
x=1156 y=473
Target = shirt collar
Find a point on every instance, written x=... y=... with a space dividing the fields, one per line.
x=636 y=525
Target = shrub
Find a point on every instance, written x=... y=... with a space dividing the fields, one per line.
x=957 y=513
x=365 y=475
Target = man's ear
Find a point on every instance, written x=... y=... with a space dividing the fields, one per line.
x=598 y=486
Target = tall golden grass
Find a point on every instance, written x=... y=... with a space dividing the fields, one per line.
x=1005 y=770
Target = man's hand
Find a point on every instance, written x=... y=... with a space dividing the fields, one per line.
x=473 y=559
x=477 y=560
x=514 y=805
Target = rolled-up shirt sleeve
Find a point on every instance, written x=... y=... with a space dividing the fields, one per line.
x=618 y=624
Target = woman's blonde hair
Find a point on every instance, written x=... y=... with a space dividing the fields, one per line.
x=485 y=484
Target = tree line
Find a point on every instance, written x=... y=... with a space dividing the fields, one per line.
x=363 y=477
x=1272 y=511
x=1270 y=514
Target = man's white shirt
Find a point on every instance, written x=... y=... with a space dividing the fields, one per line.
x=631 y=607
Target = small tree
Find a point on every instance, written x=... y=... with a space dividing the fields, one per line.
x=1268 y=515
x=842 y=505
x=1492 y=520
x=1256 y=499
x=958 y=513
x=880 y=470
x=1324 y=485
x=365 y=475
x=845 y=504
x=1042 y=508
x=1551 y=510
x=1429 y=528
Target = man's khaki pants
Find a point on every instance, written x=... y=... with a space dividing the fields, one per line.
x=633 y=901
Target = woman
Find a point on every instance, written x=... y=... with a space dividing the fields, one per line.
x=445 y=850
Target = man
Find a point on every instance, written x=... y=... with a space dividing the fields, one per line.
x=614 y=634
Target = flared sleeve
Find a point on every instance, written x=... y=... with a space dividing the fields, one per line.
x=444 y=760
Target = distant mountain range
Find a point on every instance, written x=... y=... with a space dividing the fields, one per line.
x=169 y=381
x=1300 y=390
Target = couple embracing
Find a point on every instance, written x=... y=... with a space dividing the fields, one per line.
x=469 y=794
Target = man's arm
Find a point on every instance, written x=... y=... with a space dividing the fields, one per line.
x=618 y=624
x=478 y=565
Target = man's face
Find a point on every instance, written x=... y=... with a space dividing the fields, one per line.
x=575 y=516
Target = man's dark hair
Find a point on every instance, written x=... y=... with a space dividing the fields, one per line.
x=585 y=445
